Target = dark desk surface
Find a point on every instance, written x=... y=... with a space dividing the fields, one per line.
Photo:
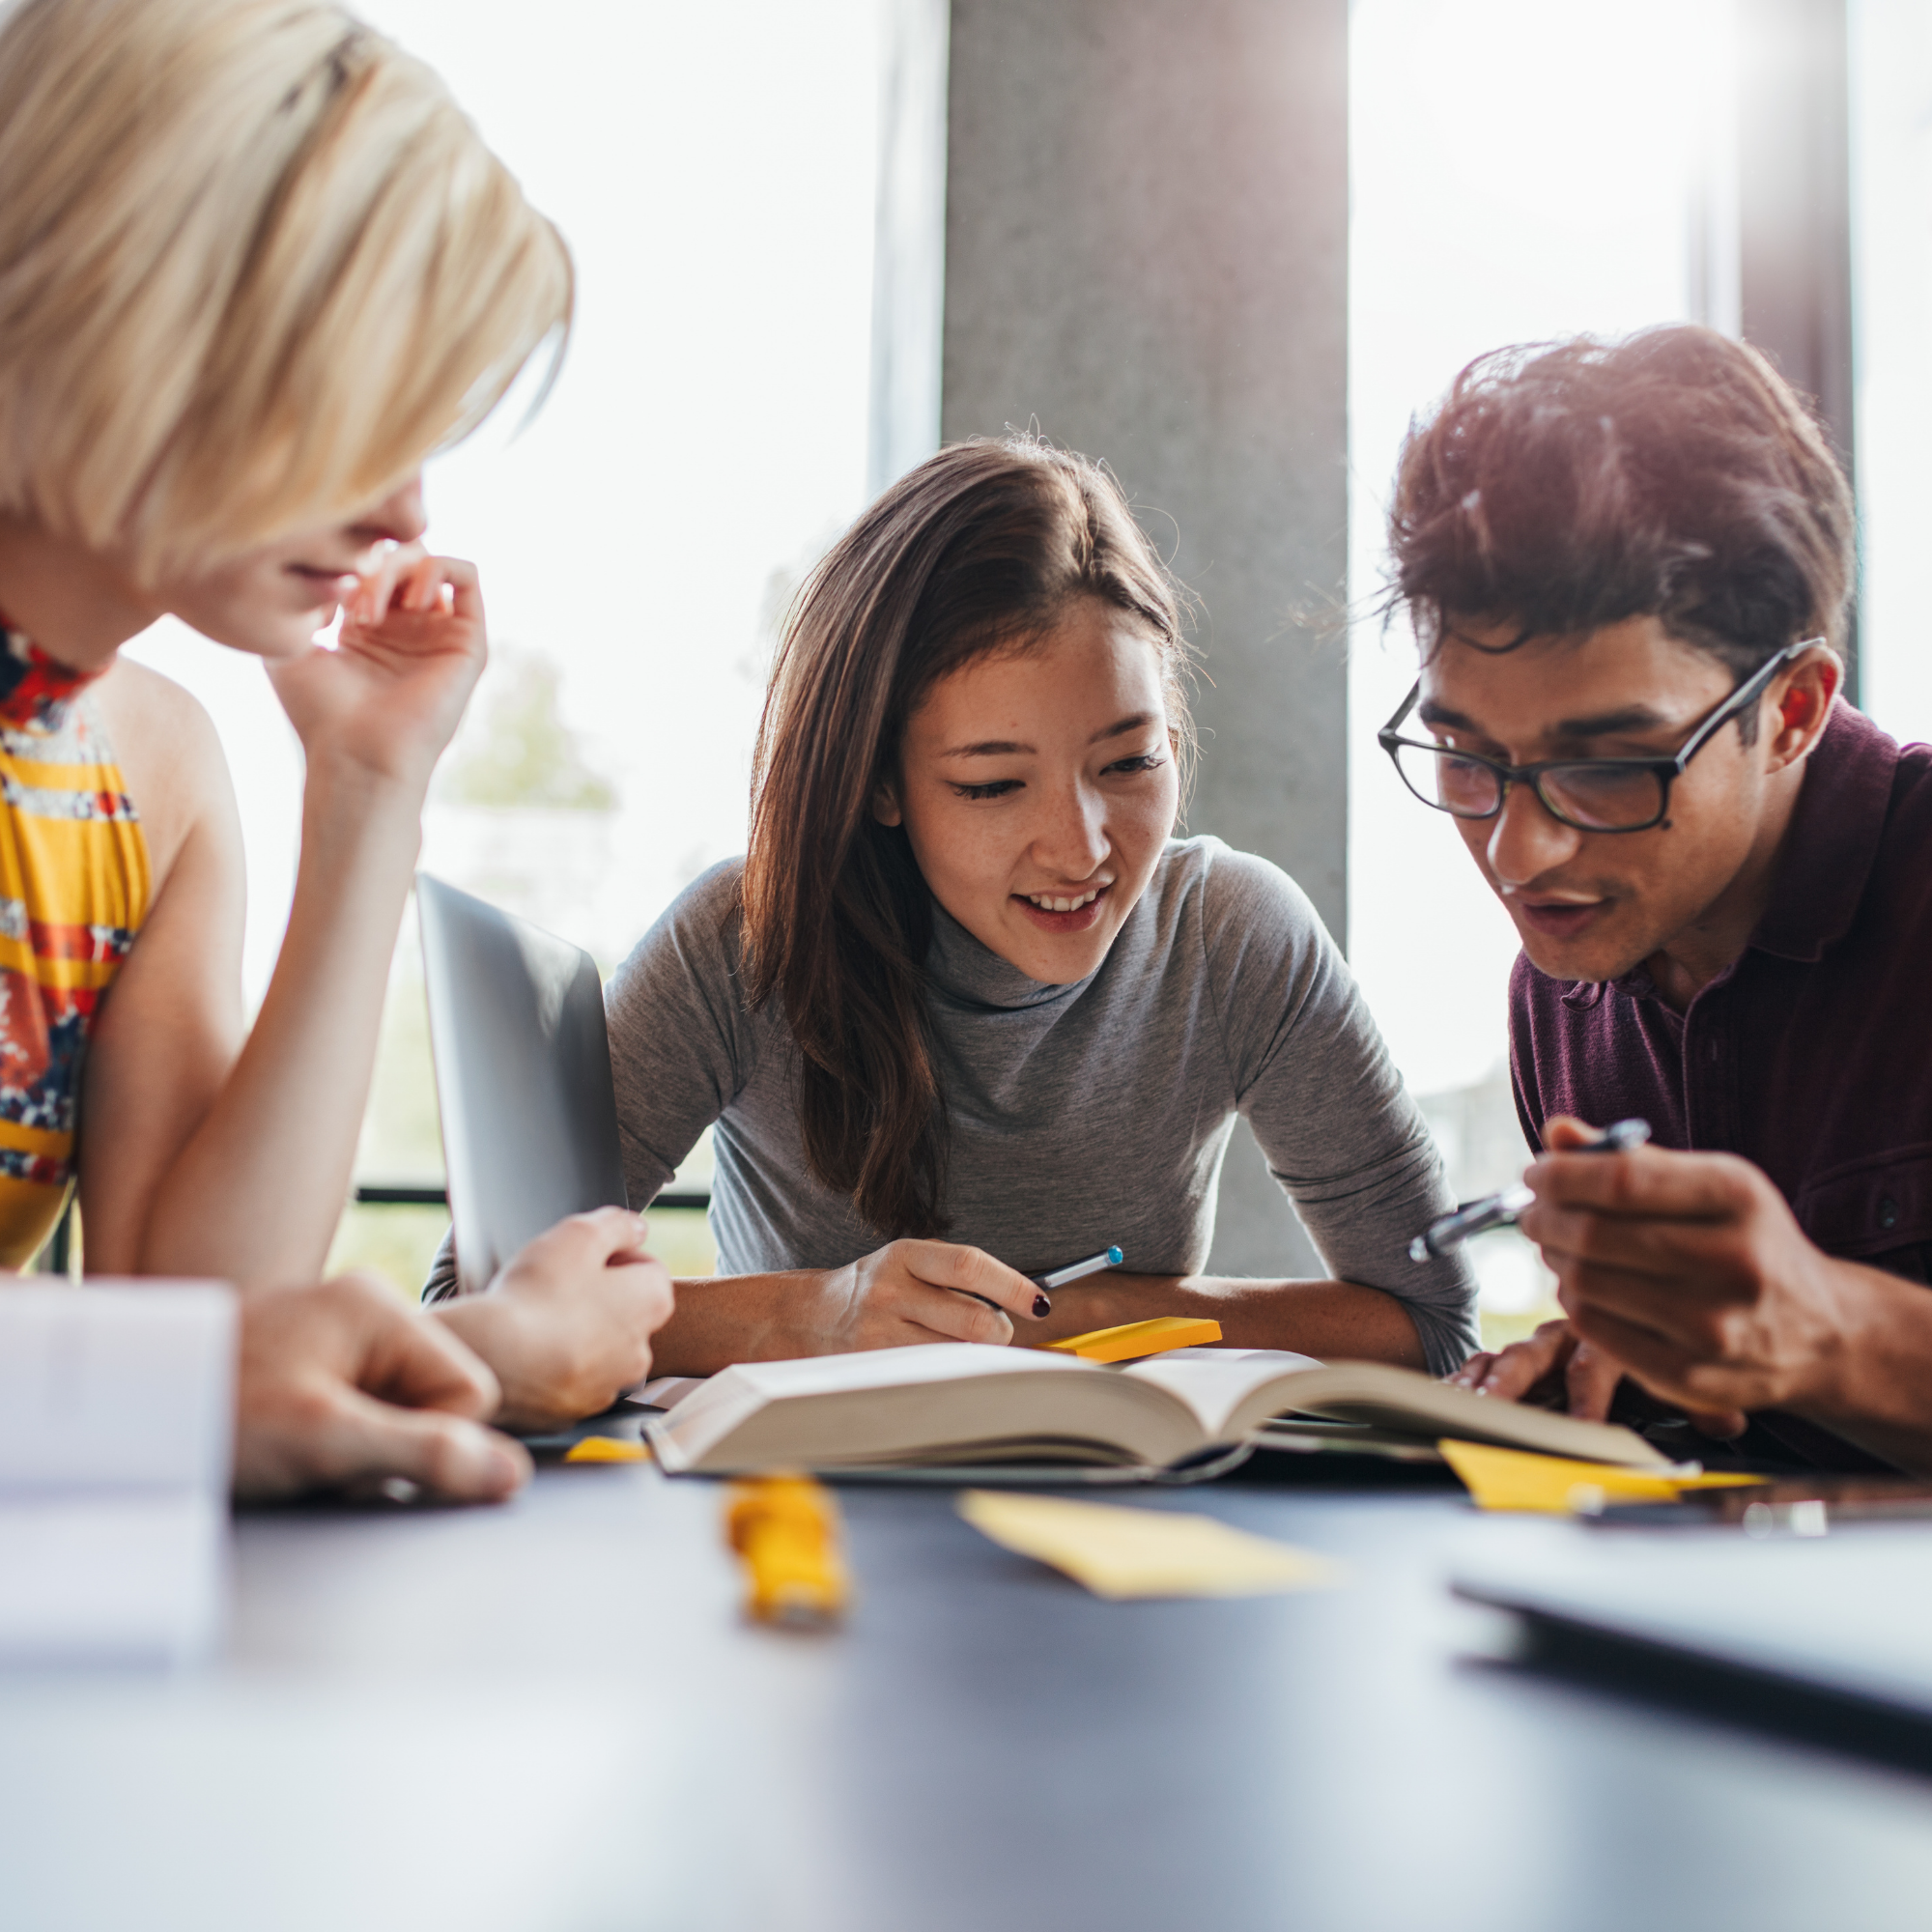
x=551 y=1717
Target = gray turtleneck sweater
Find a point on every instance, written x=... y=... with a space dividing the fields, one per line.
x=1082 y=1116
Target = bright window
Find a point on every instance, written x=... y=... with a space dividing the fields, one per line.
x=1892 y=227
x=1519 y=172
x=713 y=171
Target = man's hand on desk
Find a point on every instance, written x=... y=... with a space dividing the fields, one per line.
x=341 y=1383
x=1550 y=1368
x=567 y=1325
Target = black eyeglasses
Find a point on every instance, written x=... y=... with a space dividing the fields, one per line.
x=1590 y=794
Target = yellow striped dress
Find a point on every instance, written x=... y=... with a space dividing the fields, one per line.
x=74 y=891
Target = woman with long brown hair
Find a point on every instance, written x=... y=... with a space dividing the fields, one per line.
x=967 y=1011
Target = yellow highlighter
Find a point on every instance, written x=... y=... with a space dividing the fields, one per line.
x=605 y=1449
x=1133 y=1340
x=786 y=1528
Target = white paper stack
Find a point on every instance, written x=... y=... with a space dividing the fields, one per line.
x=117 y=1404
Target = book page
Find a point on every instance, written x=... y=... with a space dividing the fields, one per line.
x=1214 y=1382
x=897 y=1367
x=939 y=1401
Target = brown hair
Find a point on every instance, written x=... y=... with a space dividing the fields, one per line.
x=977 y=550
x=1673 y=474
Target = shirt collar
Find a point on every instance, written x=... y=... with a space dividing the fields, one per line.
x=1828 y=850
x=35 y=689
x=973 y=975
x=1832 y=839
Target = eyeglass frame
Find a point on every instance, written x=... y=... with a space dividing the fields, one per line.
x=1668 y=770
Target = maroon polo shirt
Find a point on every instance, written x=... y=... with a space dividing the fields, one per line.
x=1812 y=1055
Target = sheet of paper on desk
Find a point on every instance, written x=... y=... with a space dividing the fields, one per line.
x=116 y=1427
x=1120 y=1552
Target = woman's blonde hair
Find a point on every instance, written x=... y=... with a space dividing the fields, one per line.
x=255 y=265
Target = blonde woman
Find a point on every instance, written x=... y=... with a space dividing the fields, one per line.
x=255 y=265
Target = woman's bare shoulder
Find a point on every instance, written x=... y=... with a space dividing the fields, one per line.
x=170 y=757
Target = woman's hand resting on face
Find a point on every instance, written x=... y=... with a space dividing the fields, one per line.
x=387 y=699
x=910 y=1292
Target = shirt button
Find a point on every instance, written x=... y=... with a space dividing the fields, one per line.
x=1888 y=1212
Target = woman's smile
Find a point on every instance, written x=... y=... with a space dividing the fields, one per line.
x=1038 y=789
x=1073 y=911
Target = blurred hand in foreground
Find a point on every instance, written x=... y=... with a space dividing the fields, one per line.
x=341 y=1383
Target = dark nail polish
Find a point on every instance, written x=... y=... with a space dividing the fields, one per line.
x=1041 y=1305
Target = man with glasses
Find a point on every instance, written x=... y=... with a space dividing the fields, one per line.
x=1629 y=566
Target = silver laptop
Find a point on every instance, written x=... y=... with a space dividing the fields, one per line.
x=1839 y=1615
x=522 y=1076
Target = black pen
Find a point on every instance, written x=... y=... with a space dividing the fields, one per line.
x=1505 y=1210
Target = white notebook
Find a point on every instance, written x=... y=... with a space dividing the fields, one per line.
x=117 y=1405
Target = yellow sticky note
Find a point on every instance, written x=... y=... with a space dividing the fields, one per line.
x=605 y=1449
x=1519 y=1479
x=1141 y=1553
x=1132 y=1339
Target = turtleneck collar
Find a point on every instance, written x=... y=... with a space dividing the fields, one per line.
x=975 y=975
x=35 y=689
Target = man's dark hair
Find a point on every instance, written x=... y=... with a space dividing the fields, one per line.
x=1675 y=474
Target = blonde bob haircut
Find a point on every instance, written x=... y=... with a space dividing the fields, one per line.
x=255 y=265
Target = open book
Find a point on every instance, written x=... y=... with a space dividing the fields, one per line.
x=955 y=1403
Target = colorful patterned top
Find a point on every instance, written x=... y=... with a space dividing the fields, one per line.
x=74 y=891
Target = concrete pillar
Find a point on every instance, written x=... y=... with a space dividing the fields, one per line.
x=1795 y=210
x=1146 y=255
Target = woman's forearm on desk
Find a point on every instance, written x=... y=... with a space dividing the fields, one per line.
x=751 y=1317
x=1333 y=1320
x=718 y=1320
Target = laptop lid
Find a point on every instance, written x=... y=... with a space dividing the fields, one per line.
x=522 y=1076
x=1840 y=1616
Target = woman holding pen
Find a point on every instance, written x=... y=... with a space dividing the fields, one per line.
x=967 y=1011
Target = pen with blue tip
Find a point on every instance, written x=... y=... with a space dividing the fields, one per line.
x=1107 y=1258
x=1505 y=1210
x=1073 y=1272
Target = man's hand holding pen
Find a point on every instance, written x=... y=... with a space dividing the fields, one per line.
x=1690 y=1269
x=1507 y=1208
x=1686 y=1270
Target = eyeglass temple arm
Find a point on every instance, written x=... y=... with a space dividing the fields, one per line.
x=1751 y=689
